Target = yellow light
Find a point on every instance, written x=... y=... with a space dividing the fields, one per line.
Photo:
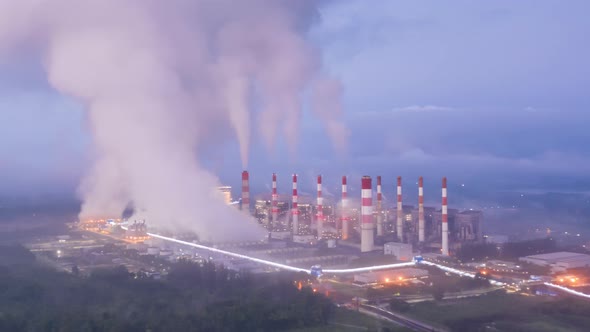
x=400 y=278
x=386 y=279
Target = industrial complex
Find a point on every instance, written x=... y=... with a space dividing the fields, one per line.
x=367 y=226
x=366 y=247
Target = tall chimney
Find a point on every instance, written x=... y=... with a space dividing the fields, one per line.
x=379 y=208
x=295 y=209
x=420 y=209
x=400 y=225
x=245 y=191
x=445 y=224
x=320 y=208
x=366 y=214
x=344 y=211
x=274 y=200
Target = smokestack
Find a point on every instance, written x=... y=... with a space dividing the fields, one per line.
x=420 y=209
x=245 y=191
x=445 y=225
x=295 y=209
x=344 y=211
x=366 y=214
x=379 y=208
x=400 y=225
x=320 y=208
x=274 y=200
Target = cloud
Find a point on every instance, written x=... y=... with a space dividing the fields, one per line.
x=423 y=108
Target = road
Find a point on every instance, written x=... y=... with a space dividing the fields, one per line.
x=398 y=319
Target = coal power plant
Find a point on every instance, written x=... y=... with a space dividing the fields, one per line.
x=363 y=223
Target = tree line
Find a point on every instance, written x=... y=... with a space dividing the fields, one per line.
x=193 y=297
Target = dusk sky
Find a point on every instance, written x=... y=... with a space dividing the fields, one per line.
x=493 y=94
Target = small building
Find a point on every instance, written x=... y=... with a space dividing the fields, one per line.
x=402 y=251
x=559 y=261
x=390 y=276
x=305 y=239
x=280 y=235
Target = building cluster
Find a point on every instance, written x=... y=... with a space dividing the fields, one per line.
x=137 y=232
x=298 y=217
x=559 y=261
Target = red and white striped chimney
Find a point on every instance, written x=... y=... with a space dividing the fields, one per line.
x=245 y=191
x=274 y=200
x=344 y=211
x=295 y=209
x=445 y=224
x=366 y=214
x=320 y=208
x=379 y=208
x=400 y=225
x=420 y=209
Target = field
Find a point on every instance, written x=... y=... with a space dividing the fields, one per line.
x=505 y=312
x=350 y=320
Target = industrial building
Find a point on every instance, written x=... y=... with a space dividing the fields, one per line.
x=226 y=193
x=137 y=232
x=559 y=261
x=401 y=251
x=390 y=276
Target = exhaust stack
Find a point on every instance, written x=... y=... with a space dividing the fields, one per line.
x=320 y=208
x=400 y=225
x=445 y=225
x=366 y=214
x=245 y=191
x=274 y=200
x=295 y=209
x=379 y=208
x=420 y=209
x=344 y=211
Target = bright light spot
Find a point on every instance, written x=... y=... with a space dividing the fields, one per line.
x=386 y=279
x=462 y=184
x=400 y=278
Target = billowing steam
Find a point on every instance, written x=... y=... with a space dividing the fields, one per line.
x=159 y=78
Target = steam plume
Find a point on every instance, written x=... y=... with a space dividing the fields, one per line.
x=158 y=77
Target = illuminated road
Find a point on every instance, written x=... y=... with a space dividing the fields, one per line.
x=568 y=290
x=353 y=270
x=279 y=265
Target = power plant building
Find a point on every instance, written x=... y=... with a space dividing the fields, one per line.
x=226 y=193
x=438 y=227
x=401 y=251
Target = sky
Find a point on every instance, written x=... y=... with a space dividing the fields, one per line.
x=492 y=94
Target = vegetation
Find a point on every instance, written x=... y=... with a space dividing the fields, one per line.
x=499 y=311
x=508 y=251
x=194 y=297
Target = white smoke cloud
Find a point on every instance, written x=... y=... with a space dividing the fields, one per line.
x=160 y=80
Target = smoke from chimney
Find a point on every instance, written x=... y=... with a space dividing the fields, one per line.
x=161 y=80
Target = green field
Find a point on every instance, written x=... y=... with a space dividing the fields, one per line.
x=505 y=312
x=350 y=320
